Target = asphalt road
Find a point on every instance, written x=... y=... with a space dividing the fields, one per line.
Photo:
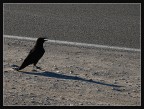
x=106 y=24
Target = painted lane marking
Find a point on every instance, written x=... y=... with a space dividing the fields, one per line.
x=75 y=43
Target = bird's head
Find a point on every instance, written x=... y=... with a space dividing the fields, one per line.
x=41 y=40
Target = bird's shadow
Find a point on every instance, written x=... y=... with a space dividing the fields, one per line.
x=62 y=76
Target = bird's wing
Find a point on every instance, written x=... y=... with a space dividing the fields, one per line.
x=29 y=59
x=30 y=56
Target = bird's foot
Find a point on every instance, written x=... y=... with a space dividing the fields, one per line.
x=35 y=68
x=38 y=67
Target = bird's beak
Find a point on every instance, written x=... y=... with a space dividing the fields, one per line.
x=45 y=39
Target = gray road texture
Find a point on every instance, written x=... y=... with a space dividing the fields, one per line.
x=106 y=24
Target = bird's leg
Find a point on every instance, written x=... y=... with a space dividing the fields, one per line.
x=34 y=68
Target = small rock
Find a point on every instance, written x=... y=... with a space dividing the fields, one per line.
x=32 y=98
x=28 y=78
x=71 y=72
x=134 y=90
x=71 y=104
x=116 y=89
x=98 y=90
x=71 y=65
x=86 y=74
x=57 y=71
x=15 y=80
x=55 y=68
x=80 y=103
x=5 y=71
x=115 y=82
x=21 y=95
x=15 y=103
x=54 y=65
x=62 y=98
x=77 y=85
x=12 y=95
x=122 y=78
x=101 y=80
x=32 y=101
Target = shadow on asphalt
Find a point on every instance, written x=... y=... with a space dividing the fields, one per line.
x=62 y=76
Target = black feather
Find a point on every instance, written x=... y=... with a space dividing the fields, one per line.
x=35 y=54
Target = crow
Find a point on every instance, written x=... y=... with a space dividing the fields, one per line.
x=35 y=54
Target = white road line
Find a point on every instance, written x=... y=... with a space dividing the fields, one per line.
x=76 y=43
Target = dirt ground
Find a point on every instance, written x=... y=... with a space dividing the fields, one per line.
x=71 y=76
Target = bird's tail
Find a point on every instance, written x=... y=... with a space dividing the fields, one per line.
x=22 y=67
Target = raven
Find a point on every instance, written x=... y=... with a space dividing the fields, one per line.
x=35 y=54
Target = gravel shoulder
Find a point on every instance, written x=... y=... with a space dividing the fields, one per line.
x=71 y=76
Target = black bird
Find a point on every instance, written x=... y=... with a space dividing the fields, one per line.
x=35 y=54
